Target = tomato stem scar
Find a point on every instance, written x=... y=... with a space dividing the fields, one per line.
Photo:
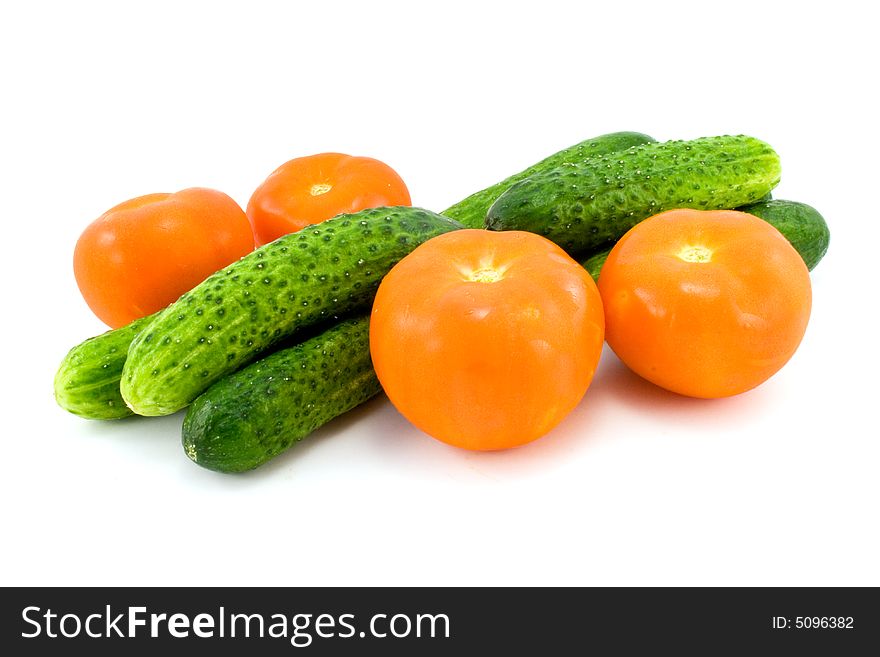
x=695 y=254
x=484 y=275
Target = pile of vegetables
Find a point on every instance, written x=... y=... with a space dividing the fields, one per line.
x=484 y=324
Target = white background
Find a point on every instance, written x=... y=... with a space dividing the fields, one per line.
x=105 y=101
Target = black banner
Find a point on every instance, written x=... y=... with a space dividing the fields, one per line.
x=439 y=621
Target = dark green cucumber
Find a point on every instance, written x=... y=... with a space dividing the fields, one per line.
x=297 y=281
x=472 y=211
x=87 y=382
x=251 y=416
x=801 y=225
x=585 y=205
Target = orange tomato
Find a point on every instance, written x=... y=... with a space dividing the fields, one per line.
x=705 y=303
x=142 y=254
x=486 y=340
x=308 y=190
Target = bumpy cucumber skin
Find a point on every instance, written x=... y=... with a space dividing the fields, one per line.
x=297 y=281
x=87 y=382
x=585 y=205
x=251 y=416
x=801 y=224
x=472 y=211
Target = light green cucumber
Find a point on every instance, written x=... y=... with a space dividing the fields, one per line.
x=584 y=206
x=593 y=263
x=801 y=225
x=251 y=416
x=87 y=382
x=237 y=314
x=472 y=211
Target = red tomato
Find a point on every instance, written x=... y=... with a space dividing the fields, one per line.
x=705 y=303
x=141 y=255
x=486 y=340
x=308 y=190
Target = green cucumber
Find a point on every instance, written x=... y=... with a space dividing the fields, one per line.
x=87 y=382
x=801 y=225
x=249 y=417
x=472 y=211
x=297 y=281
x=585 y=205
x=593 y=263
